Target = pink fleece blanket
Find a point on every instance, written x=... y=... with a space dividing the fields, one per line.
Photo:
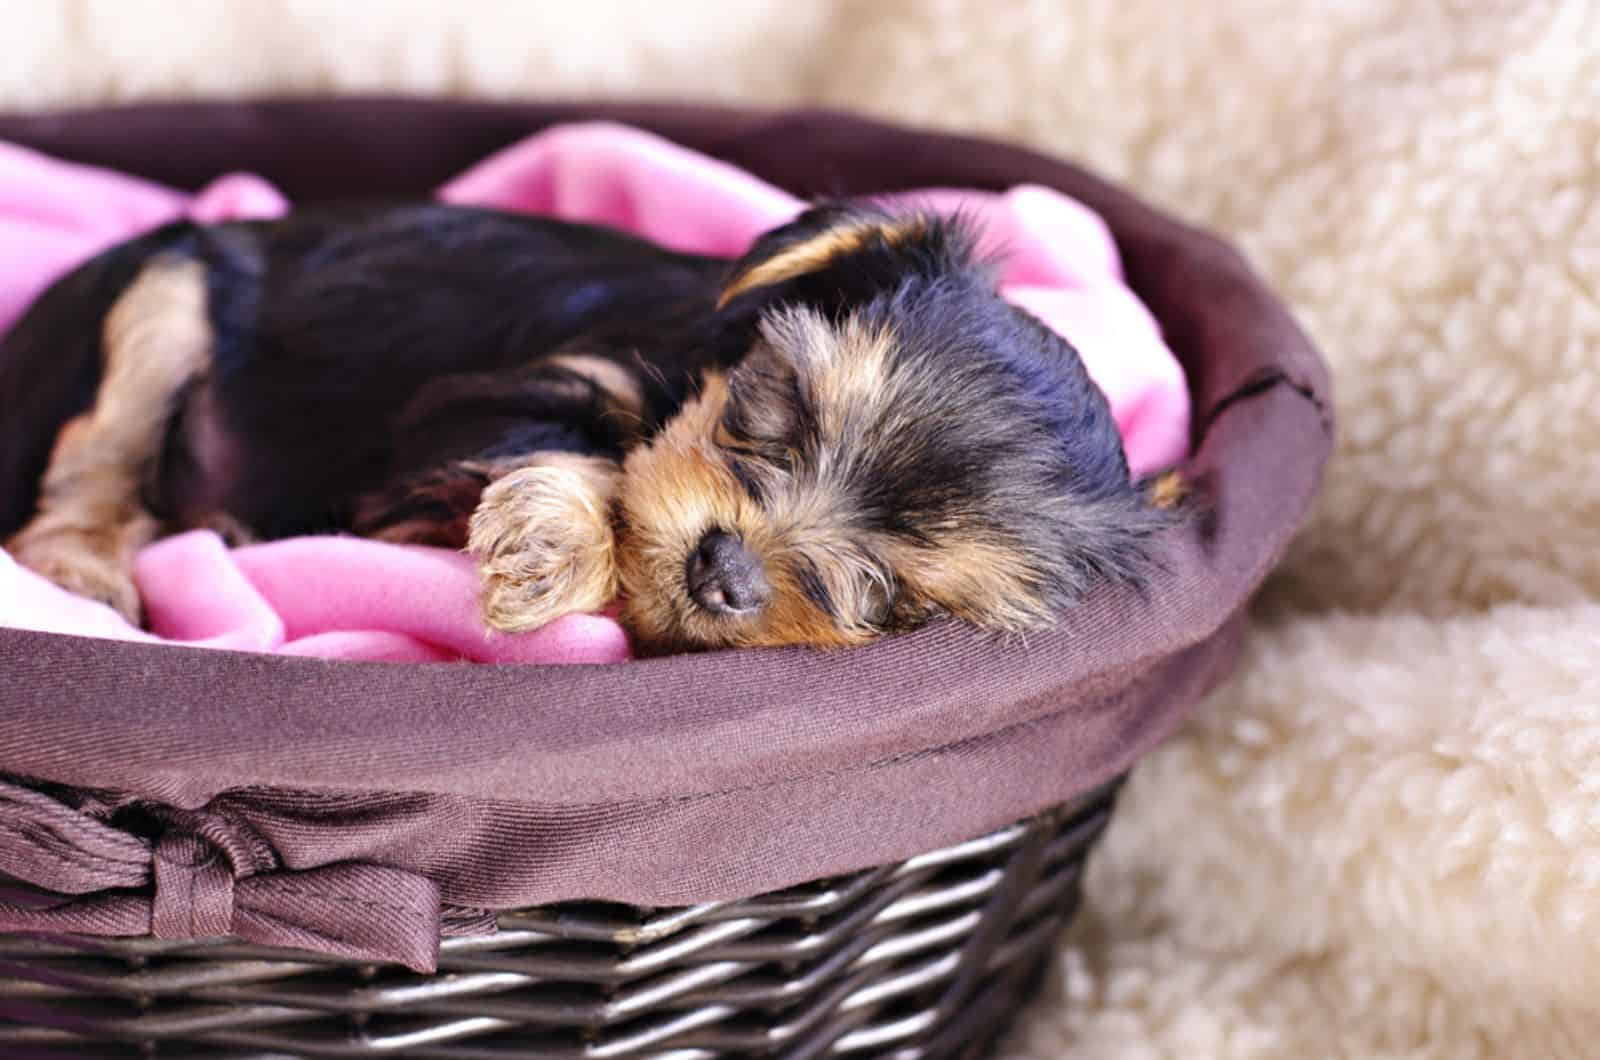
x=340 y=597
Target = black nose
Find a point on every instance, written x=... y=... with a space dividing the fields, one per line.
x=726 y=578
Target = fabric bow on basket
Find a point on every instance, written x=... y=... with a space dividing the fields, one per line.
x=201 y=879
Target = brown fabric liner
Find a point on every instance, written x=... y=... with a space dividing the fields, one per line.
x=691 y=778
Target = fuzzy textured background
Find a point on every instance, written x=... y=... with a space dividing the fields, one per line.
x=1383 y=838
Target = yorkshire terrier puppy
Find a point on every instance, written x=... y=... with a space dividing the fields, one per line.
x=841 y=435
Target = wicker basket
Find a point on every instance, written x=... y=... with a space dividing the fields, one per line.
x=909 y=745
x=925 y=958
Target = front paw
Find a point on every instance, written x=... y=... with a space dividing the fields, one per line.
x=544 y=544
x=84 y=564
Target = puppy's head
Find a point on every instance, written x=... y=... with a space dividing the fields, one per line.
x=897 y=442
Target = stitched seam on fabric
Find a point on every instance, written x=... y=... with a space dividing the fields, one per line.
x=876 y=764
x=931 y=751
x=697 y=796
x=294 y=925
x=341 y=900
x=1261 y=384
x=192 y=879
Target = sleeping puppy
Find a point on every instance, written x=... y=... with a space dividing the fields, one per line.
x=839 y=436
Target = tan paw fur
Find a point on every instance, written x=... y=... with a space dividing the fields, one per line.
x=543 y=540
x=87 y=564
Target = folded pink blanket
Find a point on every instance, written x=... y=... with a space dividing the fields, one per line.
x=340 y=597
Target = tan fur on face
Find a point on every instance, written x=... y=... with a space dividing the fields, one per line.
x=816 y=253
x=863 y=396
x=675 y=491
x=862 y=392
x=681 y=487
x=91 y=520
x=1169 y=490
x=973 y=578
x=846 y=370
x=542 y=535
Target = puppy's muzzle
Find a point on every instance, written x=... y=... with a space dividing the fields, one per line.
x=725 y=578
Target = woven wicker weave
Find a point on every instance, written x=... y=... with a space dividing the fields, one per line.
x=926 y=958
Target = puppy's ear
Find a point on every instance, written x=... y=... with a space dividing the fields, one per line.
x=835 y=254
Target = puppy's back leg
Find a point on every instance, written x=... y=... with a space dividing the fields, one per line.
x=91 y=515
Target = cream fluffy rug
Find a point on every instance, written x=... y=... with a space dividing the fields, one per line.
x=1383 y=838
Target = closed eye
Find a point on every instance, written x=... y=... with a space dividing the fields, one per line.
x=879 y=599
x=744 y=473
x=816 y=590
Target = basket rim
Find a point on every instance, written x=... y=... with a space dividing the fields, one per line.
x=1261 y=411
